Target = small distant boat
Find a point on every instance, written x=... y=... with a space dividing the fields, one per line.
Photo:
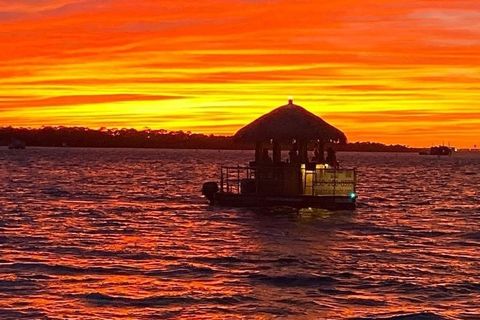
x=17 y=144
x=300 y=182
x=438 y=151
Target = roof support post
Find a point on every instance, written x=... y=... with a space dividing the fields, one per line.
x=303 y=152
x=258 y=152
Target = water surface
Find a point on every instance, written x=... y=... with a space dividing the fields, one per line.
x=124 y=233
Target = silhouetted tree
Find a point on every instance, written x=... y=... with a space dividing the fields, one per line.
x=147 y=138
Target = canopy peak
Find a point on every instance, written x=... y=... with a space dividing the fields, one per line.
x=289 y=122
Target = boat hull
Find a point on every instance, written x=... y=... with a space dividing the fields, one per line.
x=253 y=200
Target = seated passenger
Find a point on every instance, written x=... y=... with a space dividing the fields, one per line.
x=332 y=158
x=318 y=156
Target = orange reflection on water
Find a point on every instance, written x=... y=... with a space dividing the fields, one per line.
x=91 y=242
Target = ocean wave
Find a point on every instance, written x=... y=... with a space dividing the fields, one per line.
x=407 y=316
x=293 y=280
x=459 y=288
x=56 y=192
x=229 y=260
x=44 y=269
x=430 y=291
x=152 y=301
x=88 y=252
x=22 y=314
x=56 y=269
x=19 y=286
x=183 y=270
x=445 y=209
x=474 y=235
x=365 y=302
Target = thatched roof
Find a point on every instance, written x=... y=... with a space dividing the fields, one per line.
x=289 y=122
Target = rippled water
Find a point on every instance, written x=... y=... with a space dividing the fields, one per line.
x=117 y=234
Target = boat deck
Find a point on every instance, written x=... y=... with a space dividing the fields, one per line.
x=299 y=186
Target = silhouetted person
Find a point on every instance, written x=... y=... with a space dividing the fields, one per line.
x=276 y=152
x=293 y=153
x=318 y=156
x=265 y=157
x=332 y=158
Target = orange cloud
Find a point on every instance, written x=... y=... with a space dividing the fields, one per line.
x=28 y=102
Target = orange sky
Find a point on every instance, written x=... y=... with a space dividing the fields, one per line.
x=397 y=71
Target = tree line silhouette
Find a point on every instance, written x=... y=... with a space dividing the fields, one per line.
x=147 y=138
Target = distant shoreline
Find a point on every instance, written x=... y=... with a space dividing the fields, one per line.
x=151 y=139
x=5 y=147
x=412 y=150
x=340 y=150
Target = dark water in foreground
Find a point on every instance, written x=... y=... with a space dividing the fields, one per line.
x=117 y=234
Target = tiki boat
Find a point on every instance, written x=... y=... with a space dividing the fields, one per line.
x=298 y=181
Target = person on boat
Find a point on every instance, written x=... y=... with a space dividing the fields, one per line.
x=293 y=153
x=332 y=158
x=266 y=157
x=318 y=156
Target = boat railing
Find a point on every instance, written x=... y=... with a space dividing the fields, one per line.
x=231 y=178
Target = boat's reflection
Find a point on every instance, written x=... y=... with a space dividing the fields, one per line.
x=314 y=214
x=288 y=226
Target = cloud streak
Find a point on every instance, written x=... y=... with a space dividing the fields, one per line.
x=380 y=71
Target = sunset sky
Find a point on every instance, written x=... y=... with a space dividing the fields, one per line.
x=398 y=71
